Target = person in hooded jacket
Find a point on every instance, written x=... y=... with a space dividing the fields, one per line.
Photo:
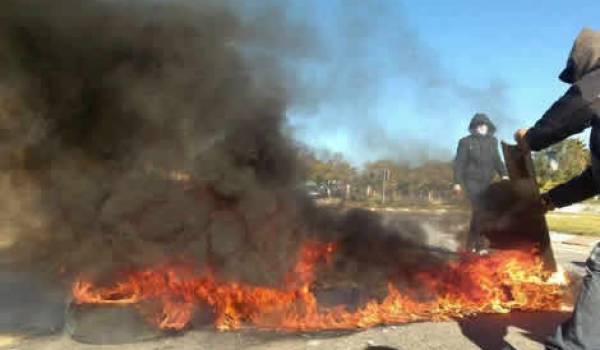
x=576 y=110
x=477 y=162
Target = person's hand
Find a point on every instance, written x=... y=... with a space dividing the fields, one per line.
x=457 y=190
x=520 y=138
x=546 y=203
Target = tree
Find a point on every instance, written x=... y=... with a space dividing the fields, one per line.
x=433 y=178
x=373 y=176
x=561 y=162
x=331 y=173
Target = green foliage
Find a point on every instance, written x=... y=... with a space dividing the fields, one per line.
x=333 y=169
x=560 y=162
x=430 y=181
x=333 y=172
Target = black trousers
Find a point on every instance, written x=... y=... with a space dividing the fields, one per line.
x=474 y=190
x=474 y=238
x=582 y=330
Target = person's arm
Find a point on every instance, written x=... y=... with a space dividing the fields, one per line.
x=498 y=163
x=460 y=162
x=569 y=115
x=575 y=190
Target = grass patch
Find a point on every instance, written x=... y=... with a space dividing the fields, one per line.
x=578 y=224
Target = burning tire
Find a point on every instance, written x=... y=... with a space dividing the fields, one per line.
x=108 y=324
x=122 y=323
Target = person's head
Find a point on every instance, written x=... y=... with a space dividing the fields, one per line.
x=482 y=129
x=584 y=56
x=481 y=125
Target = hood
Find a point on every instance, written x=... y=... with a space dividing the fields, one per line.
x=481 y=118
x=584 y=57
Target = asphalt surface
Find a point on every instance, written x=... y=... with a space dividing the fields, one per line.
x=32 y=317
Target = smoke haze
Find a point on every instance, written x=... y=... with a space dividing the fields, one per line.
x=142 y=131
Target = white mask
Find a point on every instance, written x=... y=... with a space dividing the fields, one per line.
x=482 y=129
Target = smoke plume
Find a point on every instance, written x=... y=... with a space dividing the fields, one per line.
x=114 y=97
x=140 y=131
x=379 y=57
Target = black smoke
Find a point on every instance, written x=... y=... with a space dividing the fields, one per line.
x=140 y=131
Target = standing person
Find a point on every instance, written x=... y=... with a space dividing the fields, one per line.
x=477 y=161
x=576 y=110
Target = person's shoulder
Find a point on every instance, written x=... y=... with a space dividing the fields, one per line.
x=466 y=139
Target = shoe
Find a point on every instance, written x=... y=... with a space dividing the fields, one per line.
x=482 y=251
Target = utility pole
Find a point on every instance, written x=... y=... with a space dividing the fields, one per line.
x=385 y=177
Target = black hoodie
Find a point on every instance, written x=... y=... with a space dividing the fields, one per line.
x=477 y=158
x=577 y=110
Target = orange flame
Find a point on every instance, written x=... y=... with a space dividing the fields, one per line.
x=497 y=283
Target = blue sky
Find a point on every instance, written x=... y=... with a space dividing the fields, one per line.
x=401 y=80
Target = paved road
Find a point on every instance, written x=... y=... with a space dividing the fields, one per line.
x=42 y=314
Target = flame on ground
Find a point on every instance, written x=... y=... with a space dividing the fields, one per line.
x=496 y=283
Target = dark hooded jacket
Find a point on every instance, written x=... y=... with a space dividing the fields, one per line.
x=477 y=158
x=576 y=110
